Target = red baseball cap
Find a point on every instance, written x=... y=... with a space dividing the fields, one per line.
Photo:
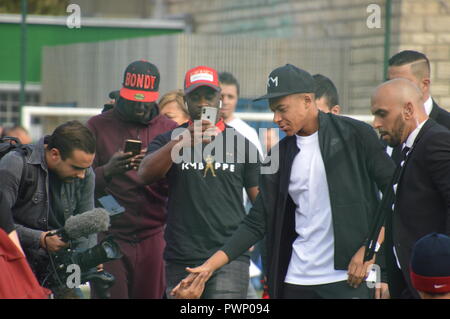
x=140 y=82
x=201 y=76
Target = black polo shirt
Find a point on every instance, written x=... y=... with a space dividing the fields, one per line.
x=205 y=194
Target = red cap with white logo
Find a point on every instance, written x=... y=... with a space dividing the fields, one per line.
x=201 y=76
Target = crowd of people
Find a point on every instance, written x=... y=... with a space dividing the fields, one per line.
x=341 y=199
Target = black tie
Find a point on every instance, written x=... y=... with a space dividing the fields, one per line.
x=405 y=151
x=399 y=154
x=385 y=206
x=400 y=164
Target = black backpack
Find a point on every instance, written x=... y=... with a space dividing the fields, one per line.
x=28 y=180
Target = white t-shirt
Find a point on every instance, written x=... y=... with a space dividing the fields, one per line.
x=312 y=260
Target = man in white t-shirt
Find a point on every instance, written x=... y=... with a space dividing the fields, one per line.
x=230 y=95
x=316 y=209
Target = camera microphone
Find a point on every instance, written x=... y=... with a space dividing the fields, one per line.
x=85 y=224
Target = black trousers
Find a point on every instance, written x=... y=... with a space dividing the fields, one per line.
x=336 y=290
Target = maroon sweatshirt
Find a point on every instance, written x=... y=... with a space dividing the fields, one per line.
x=145 y=206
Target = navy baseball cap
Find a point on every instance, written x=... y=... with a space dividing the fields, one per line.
x=430 y=264
x=287 y=80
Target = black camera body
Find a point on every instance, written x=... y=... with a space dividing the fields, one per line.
x=68 y=263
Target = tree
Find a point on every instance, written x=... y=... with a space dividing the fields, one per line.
x=42 y=7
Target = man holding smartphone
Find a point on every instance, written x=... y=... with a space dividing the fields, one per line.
x=205 y=199
x=139 y=231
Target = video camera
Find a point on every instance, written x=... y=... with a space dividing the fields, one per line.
x=71 y=268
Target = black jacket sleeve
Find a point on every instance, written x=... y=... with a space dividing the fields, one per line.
x=438 y=166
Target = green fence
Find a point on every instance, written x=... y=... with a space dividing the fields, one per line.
x=39 y=35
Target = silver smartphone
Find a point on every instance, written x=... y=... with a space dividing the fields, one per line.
x=209 y=114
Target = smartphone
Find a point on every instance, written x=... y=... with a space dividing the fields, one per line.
x=133 y=146
x=209 y=114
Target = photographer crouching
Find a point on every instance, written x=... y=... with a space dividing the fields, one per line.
x=42 y=186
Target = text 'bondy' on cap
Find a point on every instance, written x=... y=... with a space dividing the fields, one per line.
x=287 y=80
x=140 y=82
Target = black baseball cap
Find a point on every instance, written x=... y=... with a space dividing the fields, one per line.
x=140 y=82
x=287 y=80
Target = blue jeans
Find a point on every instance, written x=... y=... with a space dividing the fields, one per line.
x=229 y=282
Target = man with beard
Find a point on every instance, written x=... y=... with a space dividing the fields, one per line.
x=62 y=180
x=139 y=231
x=421 y=183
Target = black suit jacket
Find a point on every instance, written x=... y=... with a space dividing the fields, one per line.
x=422 y=202
x=440 y=115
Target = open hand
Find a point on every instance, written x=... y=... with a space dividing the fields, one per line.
x=191 y=287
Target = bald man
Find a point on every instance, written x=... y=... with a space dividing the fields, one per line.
x=422 y=191
x=415 y=66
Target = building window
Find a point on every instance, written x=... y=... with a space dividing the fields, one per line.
x=10 y=105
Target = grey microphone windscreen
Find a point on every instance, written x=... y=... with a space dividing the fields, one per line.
x=87 y=223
